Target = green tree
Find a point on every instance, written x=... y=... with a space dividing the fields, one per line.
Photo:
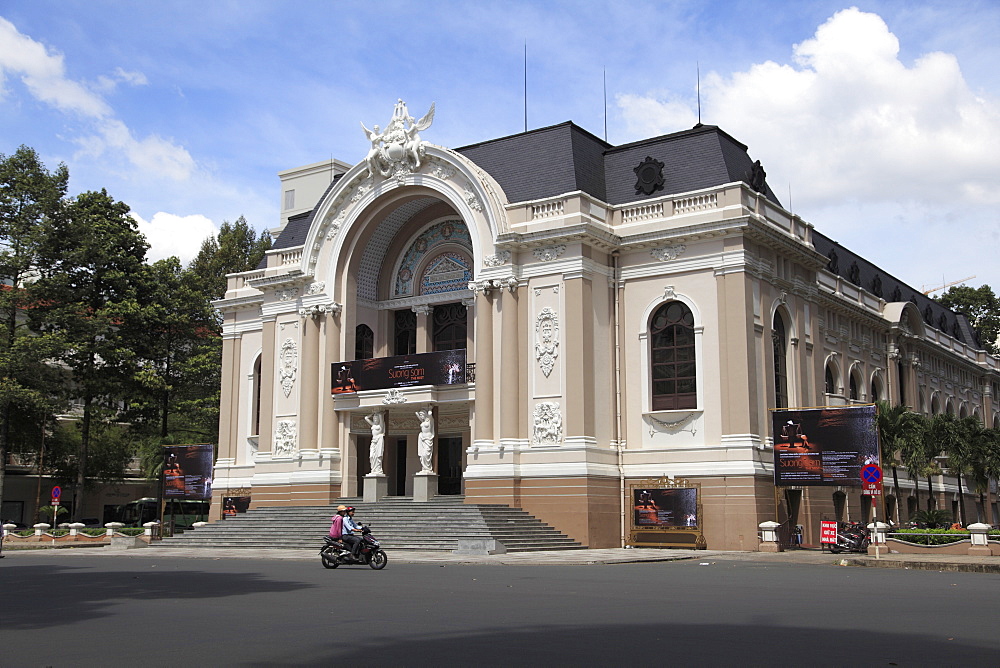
x=918 y=456
x=236 y=248
x=30 y=197
x=951 y=437
x=981 y=307
x=92 y=266
x=180 y=329
x=899 y=430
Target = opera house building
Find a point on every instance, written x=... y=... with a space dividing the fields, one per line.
x=553 y=323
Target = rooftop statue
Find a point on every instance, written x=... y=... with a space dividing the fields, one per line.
x=397 y=149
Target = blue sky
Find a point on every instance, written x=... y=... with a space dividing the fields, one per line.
x=880 y=124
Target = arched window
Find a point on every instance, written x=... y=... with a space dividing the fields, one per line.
x=830 y=386
x=672 y=352
x=854 y=388
x=405 y=332
x=779 y=344
x=875 y=393
x=449 y=326
x=364 y=342
x=255 y=410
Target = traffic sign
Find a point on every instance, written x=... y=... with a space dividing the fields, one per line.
x=56 y=493
x=871 y=473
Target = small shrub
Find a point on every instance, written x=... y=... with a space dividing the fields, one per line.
x=932 y=536
x=58 y=532
x=25 y=533
x=94 y=532
x=131 y=531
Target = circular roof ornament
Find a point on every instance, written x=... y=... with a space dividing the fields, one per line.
x=649 y=176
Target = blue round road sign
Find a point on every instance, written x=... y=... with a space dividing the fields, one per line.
x=871 y=473
x=56 y=492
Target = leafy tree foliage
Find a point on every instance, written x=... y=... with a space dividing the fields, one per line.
x=899 y=430
x=30 y=198
x=981 y=307
x=236 y=248
x=91 y=268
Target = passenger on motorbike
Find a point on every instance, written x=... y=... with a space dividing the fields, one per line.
x=352 y=532
x=337 y=524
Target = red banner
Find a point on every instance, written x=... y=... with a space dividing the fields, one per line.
x=828 y=531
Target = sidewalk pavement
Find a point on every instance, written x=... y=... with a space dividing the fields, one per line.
x=951 y=563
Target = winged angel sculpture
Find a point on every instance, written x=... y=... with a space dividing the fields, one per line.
x=399 y=148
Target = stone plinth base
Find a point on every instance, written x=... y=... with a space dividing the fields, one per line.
x=425 y=486
x=980 y=551
x=376 y=487
x=479 y=546
x=770 y=547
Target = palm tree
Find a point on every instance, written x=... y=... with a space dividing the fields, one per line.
x=898 y=428
x=914 y=455
x=953 y=437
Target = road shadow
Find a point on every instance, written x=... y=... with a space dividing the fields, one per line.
x=39 y=596
x=674 y=644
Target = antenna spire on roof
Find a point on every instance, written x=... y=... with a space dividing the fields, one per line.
x=697 y=69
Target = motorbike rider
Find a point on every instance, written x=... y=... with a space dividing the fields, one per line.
x=337 y=523
x=352 y=532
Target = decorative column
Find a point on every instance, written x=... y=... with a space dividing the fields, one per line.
x=331 y=339
x=267 y=372
x=425 y=482
x=483 y=423
x=228 y=402
x=510 y=364
x=309 y=386
x=425 y=327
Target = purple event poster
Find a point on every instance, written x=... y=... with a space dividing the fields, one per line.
x=187 y=471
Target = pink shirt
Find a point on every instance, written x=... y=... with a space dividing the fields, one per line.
x=337 y=528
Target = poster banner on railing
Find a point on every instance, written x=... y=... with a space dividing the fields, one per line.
x=446 y=367
x=823 y=446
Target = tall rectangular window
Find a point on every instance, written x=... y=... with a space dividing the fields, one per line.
x=289 y=199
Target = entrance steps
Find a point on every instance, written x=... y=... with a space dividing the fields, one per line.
x=399 y=523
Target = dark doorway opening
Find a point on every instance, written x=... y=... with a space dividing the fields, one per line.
x=363 y=465
x=450 y=465
x=399 y=470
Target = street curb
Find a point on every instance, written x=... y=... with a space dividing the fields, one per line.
x=949 y=567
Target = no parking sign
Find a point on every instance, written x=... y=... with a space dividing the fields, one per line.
x=56 y=494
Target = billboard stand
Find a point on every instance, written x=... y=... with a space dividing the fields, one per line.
x=666 y=512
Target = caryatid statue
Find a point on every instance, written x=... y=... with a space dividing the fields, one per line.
x=425 y=441
x=377 y=422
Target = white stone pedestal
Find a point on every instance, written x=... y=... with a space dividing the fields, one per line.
x=425 y=486
x=376 y=487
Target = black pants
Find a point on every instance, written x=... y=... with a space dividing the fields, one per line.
x=354 y=542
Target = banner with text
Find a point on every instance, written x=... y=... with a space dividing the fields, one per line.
x=187 y=471
x=446 y=367
x=823 y=446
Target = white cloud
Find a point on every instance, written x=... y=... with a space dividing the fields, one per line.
x=169 y=234
x=850 y=119
x=858 y=134
x=44 y=75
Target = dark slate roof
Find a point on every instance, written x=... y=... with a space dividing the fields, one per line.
x=542 y=163
x=702 y=157
x=866 y=275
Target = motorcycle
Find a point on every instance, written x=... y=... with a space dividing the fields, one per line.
x=851 y=537
x=335 y=553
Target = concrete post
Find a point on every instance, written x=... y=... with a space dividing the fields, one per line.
x=769 y=537
x=980 y=547
x=41 y=528
x=74 y=528
x=148 y=528
x=877 y=532
x=112 y=527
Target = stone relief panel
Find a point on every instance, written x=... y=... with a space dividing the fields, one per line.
x=546 y=340
x=547 y=424
x=546 y=374
x=549 y=253
x=287 y=363
x=285 y=439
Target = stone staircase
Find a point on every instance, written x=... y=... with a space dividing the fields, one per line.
x=398 y=522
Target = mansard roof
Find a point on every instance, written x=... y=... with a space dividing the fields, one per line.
x=859 y=271
x=566 y=158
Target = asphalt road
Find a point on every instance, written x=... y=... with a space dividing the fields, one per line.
x=76 y=610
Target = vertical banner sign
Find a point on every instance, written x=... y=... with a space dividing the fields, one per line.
x=824 y=446
x=187 y=471
x=828 y=532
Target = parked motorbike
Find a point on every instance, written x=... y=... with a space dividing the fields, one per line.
x=851 y=537
x=335 y=553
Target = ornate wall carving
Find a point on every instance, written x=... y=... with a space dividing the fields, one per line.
x=285 y=439
x=546 y=340
x=547 y=423
x=287 y=362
